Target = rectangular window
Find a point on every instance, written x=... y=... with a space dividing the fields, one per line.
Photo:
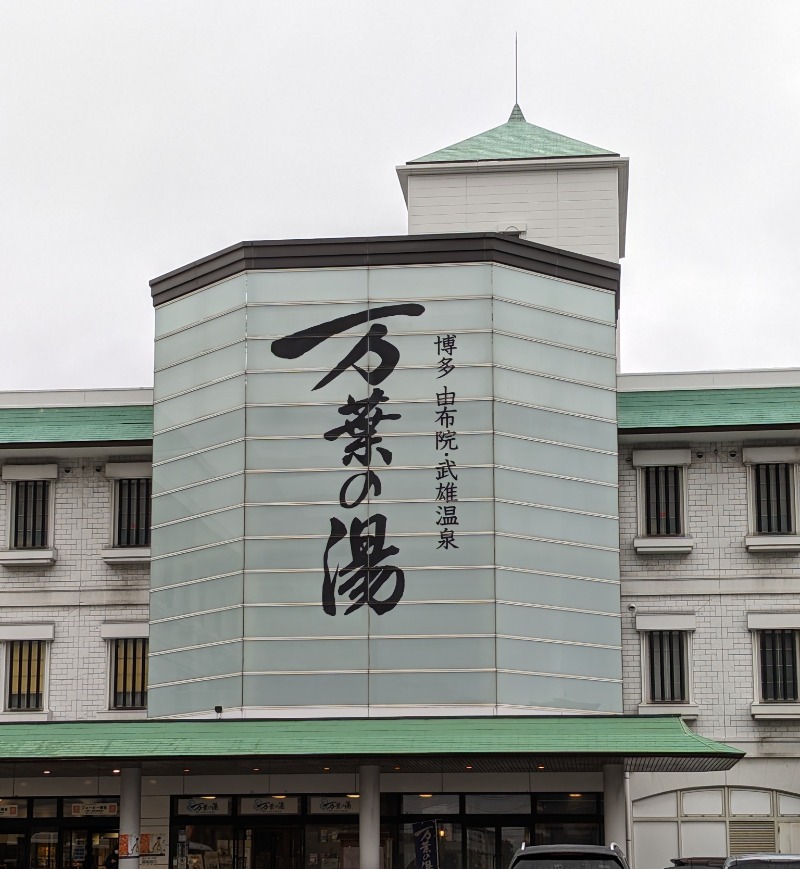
x=25 y=675
x=662 y=501
x=31 y=508
x=133 y=512
x=666 y=665
x=129 y=673
x=777 y=652
x=772 y=498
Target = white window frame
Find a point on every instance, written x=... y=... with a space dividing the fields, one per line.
x=647 y=623
x=12 y=633
x=752 y=456
x=643 y=543
x=774 y=621
x=11 y=474
x=115 y=554
x=111 y=631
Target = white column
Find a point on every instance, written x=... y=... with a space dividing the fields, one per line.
x=614 y=804
x=369 y=817
x=130 y=810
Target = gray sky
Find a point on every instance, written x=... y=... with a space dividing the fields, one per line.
x=138 y=136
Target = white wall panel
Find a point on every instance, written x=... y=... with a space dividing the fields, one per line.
x=703 y=837
x=574 y=209
x=655 y=843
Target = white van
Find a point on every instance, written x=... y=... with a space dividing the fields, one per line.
x=570 y=857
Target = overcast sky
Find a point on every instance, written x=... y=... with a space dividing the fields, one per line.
x=139 y=135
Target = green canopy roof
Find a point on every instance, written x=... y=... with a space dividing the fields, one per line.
x=480 y=743
x=514 y=140
x=709 y=408
x=76 y=425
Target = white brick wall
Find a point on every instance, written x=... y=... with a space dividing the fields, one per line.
x=717 y=522
x=78 y=593
x=720 y=582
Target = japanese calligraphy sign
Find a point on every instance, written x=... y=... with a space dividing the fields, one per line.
x=386 y=487
x=446 y=441
x=269 y=805
x=201 y=806
x=332 y=805
x=426 y=850
x=368 y=577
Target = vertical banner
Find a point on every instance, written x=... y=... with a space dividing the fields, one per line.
x=426 y=845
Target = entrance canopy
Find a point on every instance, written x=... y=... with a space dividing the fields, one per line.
x=490 y=744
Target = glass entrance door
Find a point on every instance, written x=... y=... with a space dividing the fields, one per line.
x=276 y=848
x=44 y=844
x=85 y=848
x=511 y=840
x=493 y=847
x=481 y=847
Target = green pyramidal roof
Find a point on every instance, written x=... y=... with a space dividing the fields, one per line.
x=514 y=140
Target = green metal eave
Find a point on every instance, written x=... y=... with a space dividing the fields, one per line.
x=514 y=140
x=685 y=409
x=647 y=742
x=680 y=409
x=76 y=425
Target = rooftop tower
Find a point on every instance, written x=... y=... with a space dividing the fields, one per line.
x=518 y=177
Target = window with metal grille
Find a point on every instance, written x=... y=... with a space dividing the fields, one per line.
x=25 y=674
x=31 y=506
x=662 y=501
x=773 y=496
x=133 y=512
x=129 y=674
x=778 y=662
x=667 y=671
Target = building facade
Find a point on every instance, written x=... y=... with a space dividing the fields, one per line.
x=709 y=602
x=392 y=541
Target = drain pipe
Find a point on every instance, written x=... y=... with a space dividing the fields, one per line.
x=628 y=819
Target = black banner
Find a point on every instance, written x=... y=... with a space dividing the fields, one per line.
x=426 y=850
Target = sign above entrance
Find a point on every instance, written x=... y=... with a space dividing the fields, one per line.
x=86 y=809
x=333 y=805
x=269 y=805
x=204 y=806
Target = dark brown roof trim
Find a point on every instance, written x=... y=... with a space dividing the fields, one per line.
x=462 y=247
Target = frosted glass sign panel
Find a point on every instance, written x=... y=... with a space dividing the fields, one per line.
x=198 y=497
x=556 y=460
x=424 y=464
